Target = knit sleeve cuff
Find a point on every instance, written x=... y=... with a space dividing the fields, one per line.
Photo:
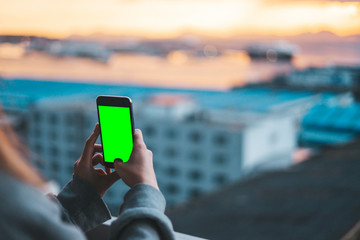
x=83 y=204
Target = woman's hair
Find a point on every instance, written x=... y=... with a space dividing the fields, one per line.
x=13 y=156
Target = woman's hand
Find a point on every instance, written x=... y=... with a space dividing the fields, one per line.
x=139 y=168
x=84 y=167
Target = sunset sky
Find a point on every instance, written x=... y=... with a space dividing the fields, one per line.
x=170 y=18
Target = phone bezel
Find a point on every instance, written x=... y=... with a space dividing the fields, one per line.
x=115 y=101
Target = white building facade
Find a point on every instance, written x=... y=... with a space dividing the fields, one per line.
x=192 y=155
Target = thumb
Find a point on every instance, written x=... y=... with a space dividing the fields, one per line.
x=118 y=164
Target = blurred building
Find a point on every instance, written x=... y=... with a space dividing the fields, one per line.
x=193 y=156
x=332 y=121
x=330 y=124
x=200 y=139
x=330 y=78
x=190 y=156
x=62 y=48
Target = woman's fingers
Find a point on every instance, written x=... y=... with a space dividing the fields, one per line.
x=89 y=145
x=97 y=148
x=100 y=171
x=118 y=166
x=138 y=139
x=98 y=159
x=107 y=175
x=111 y=176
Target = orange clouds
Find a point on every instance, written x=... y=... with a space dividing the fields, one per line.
x=163 y=18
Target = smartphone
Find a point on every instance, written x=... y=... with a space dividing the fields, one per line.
x=116 y=128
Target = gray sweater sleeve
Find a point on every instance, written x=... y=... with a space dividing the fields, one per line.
x=142 y=216
x=82 y=205
x=25 y=213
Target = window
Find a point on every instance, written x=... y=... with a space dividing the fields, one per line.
x=38 y=148
x=37 y=116
x=40 y=164
x=195 y=136
x=171 y=133
x=173 y=171
x=72 y=154
x=78 y=119
x=220 y=159
x=172 y=189
x=149 y=131
x=194 y=192
x=220 y=139
x=53 y=118
x=220 y=178
x=195 y=175
x=54 y=151
x=70 y=137
x=37 y=132
x=171 y=152
x=69 y=119
x=54 y=166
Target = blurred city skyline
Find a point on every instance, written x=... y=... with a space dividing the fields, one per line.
x=181 y=44
x=171 y=19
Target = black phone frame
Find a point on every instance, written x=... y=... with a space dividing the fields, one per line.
x=115 y=101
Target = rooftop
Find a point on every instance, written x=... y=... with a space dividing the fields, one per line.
x=334 y=117
x=261 y=99
x=316 y=199
x=332 y=124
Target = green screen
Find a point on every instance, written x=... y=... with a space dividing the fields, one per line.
x=116 y=133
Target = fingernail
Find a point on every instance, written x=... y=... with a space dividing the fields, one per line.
x=118 y=160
